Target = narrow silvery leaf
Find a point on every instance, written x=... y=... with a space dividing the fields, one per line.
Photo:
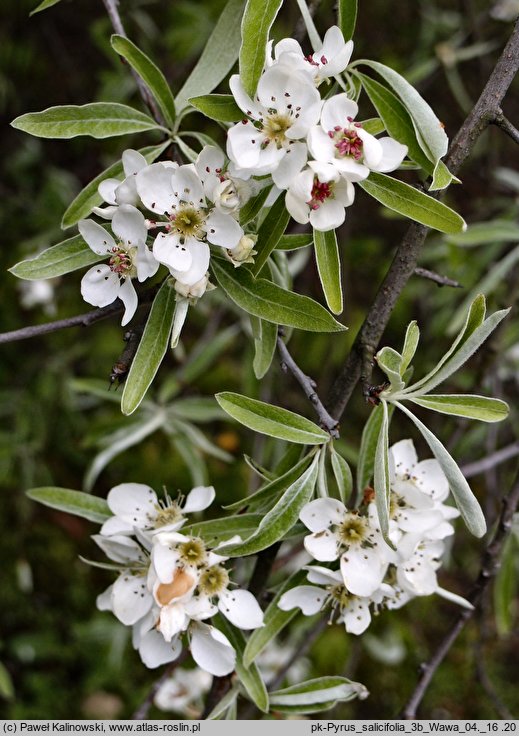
x=293 y=242
x=225 y=704
x=381 y=475
x=270 y=232
x=268 y=301
x=149 y=73
x=264 y=348
x=466 y=502
x=257 y=21
x=218 y=530
x=314 y=692
x=96 y=119
x=274 y=620
x=342 y=474
x=198 y=439
x=311 y=30
x=389 y=361
x=217 y=107
x=329 y=268
x=412 y=337
x=205 y=354
x=412 y=203
x=72 y=502
x=368 y=447
x=253 y=207
x=465 y=405
x=322 y=481
x=218 y=56
x=43 y=6
x=89 y=197
x=347 y=17
x=179 y=317
x=271 y=420
x=69 y=255
x=479 y=233
x=429 y=130
x=282 y=517
x=196 y=409
x=151 y=350
x=250 y=677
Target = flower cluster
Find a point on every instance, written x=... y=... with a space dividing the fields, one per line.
x=314 y=150
x=170 y=583
x=371 y=574
x=190 y=207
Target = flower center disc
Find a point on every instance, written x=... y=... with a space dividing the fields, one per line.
x=121 y=261
x=214 y=580
x=189 y=221
x=167 y=515
x=347 y=141
x=352 y=530
x=321 y=190
x=275 y=127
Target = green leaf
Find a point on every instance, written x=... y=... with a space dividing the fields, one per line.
x=270 y=232
x=149 y=73
x=329 y=268
x=6 y=683
x=217 y=107
x=412 y=336
x=505 y=588
x=151 y=350
x=218 y=530
x=466 y=502
x=347 y=17
x=389 y=361
x=306 y=697
x=249 y=677
x=274 y=620
x=257 y=21
x=271 y=420
x=442 y=177
x=368 y=446
x=342 y=474
x=72 y=502
x=410 y=202
x=89 y=197
x=479 y=233
x=43 y=6
x=254 y=205
x=97 y=119
x=429 y=130
x=381 y=475
x=268 y=301
x=264 y=348
x=292 y=242
x=226 y=703
x=373 y=125
x=465 y=405
x=282 y=517
x=218 y=56
x=69 y=255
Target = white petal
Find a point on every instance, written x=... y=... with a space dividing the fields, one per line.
x=133 y=162
x=164 y=561
x=371 y=149
x=199 y=499
x=147 y=264
x=115 y=525
x=104 y=600
x=244 y=145
x=322 y=576
x=306 y=597
x=290 y=165
x=404 y=457
x=241 y=608
x=351 y=170
x=105 y=212
x=210 y=159
x=362 y=570
x=223 y=230
x=179 y=317
x=100 y=286
x=393 y=153
x=130 y=598
x=328 y=216
x=322 y=513
x=297 y=208
x=211 y=650
x=119 y=548
x=200 y=607
x=107 y=190
x=320 y=144
x=129 y=225
x=454 y=598
x=126 y=192
x=154 y=650
x=242 y=98
x=170 y=250
x=323 y=546
x=172 y=621
x=200 y=255
x=155 y=189
x=128 y=296
x=356 y=615
x=134 y=503
x=96 y=237
x=431 y=479
x=187 y=185
x=337 y=110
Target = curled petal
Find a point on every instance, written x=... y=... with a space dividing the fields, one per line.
x=128 y=296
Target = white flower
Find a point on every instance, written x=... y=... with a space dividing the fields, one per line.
x=39 y=292
x=269 y=140
x=228 y=193
x=244 y=251
x=129 y=258
x=178 y=194
x=319 y=195
x=345 y=144
x=364 y=556
x=328 y=61
x=116 y=192
x=194 y=291
x=183 y=692
x=136 y=506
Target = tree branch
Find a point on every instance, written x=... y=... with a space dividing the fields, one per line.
x=489 y=568
x=486 y=110
x=308 y=385
x=490 y=461
x=437 y=278
x=507 y=127
x=142 y=711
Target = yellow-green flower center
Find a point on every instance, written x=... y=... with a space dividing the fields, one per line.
x=167 y=515
x=122 y=261
x=189 y=222
x=352 y=530
x=275 y=128
x=193 y=552
x=213 y=580
x=339 y=596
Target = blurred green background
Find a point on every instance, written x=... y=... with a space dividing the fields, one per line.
x=60 y=657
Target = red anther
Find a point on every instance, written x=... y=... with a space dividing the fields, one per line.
x=324 y=60
x=310 y=60
x=321 y=190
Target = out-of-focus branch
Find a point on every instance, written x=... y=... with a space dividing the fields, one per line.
x=490 y=461
x=489 y=568
x=507 y=127
x=142 y=711
x=437 y=278
x=486 y=111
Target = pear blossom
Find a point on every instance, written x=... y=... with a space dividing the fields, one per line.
x=228 y=193
x=177 y=194
x=270 y=139
x=116 y=192
x=319 y=195
x=337 y=532
x=341 y=141
x=328 y=61
x=129 y=257
x=136 y=506
x=183 y=692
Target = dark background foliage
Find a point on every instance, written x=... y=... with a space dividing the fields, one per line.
x=64 y=659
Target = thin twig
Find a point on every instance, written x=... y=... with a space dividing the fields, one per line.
x=489 y=462
x=489 y=568
x=143 y=709
x=486 y=110
x=437 y=278
x=219 y=687
x=144 y=90
x=308 y=385
x=507 y=127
